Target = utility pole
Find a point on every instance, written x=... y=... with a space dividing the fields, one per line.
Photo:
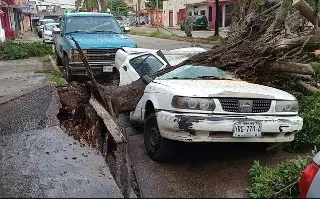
x=157 y=7
x=216 y=27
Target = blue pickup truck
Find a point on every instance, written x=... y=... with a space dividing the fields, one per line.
x=99 y=36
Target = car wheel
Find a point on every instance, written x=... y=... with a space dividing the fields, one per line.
x=158 y=148
x=67 y=72
x=39 y=34
x=58 y=59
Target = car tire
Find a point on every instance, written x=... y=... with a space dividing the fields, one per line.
x=58 y=59
x=159 y=149
x=67 y=72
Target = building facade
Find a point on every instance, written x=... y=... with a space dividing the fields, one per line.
x=174 y=11
x=15 y=17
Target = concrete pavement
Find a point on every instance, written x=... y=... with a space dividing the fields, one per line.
x=19 y=75
x=37 y=159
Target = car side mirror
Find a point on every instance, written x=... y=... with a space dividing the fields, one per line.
x=56 y=31
x=122 y=29
x=146 y=79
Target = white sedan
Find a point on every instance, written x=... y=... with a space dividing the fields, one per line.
x=206 y=104
x=47 y=32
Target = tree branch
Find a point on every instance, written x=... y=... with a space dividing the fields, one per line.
x=305 y=10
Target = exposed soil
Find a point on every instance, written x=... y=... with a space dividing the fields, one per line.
x=77 y=116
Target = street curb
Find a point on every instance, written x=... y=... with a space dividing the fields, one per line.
x=13 y=96
x=53 y=64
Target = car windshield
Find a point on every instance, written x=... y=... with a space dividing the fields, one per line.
x=92 y=24
x=196 y=72
x=51 y=26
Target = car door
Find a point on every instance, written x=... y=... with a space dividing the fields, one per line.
x=146 y=64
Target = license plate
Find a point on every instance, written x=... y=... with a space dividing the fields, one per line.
x=107 y=69
x=247 y=129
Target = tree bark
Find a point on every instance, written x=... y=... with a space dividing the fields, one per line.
x=279 y=22
x=290 y=67
x=310 y=89
x=305 y=9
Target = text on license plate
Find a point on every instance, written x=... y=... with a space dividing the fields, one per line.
x=107 y=69
x=247 y=129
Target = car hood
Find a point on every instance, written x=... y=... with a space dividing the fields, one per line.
x=48 y=32
x=220 y=88
x=101 y=40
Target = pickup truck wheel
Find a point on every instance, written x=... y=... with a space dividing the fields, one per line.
x=158 y=148
x=58 y=59
x=67 y=71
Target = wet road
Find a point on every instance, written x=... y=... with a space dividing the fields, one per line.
x=177 y=31
x=163 y=44
x=199 y=170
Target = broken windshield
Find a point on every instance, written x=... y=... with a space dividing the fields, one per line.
x=103 y=24
x=196 y=72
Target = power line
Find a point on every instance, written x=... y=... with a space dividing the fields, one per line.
x=52 y=3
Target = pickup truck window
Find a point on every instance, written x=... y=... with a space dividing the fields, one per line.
x=146 y=64
x=92 y=24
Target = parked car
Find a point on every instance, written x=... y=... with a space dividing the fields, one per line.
x=206 y=104
x=47 y=32
x=309 y=183
x=123 y=22
x=40 y=25
x=99 y=36
x=199 y=22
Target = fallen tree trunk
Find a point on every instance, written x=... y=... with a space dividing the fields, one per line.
x=291 y=67
x=305 y=9
x=266 y=49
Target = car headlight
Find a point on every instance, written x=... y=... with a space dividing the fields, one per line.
x=287 y=106
x=204 y=104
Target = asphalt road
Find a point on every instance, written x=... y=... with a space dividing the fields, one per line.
x=163 y=44
x=200 y=170
x=198 y=33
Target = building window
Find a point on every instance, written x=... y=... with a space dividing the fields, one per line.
x=195 y=12
x=202 y=12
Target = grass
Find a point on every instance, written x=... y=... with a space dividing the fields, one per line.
x=55 y=77
x=163 y=35
x=11 y=50
x=46 y=58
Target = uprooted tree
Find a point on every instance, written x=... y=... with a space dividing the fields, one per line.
x=269 y=47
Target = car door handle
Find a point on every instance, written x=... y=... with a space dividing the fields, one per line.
x=125 y=68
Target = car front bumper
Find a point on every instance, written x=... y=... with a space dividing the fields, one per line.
x=47 y=38
x=219 y=128
x=78 y=68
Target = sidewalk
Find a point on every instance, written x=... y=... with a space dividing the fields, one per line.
x=18 y=76
x=38 y=160
x=29 y=36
